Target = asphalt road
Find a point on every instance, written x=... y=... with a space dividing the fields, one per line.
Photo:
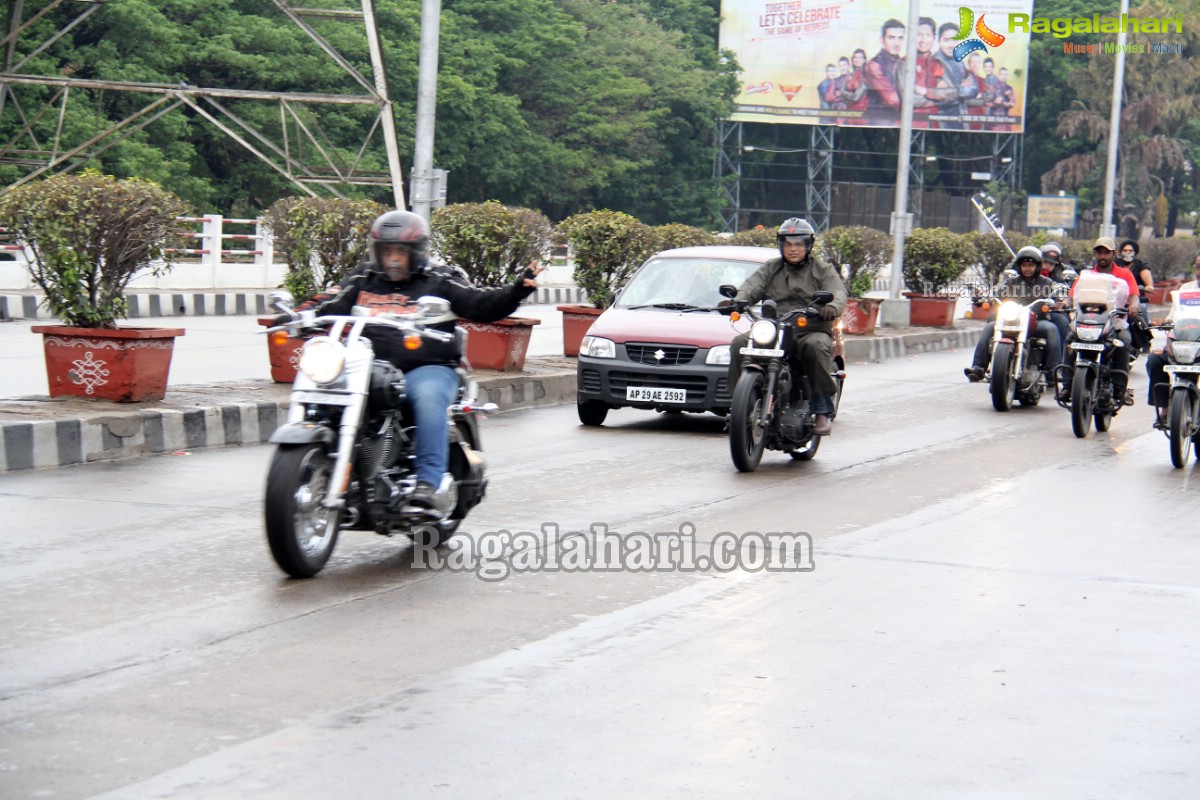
x=996 y=609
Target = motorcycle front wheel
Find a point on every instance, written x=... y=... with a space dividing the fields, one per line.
x=1004 y=385
x=1179 y=417
x=1081 y=401
x=300 y=531
x=747 y=438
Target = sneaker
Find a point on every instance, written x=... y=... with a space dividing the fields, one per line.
x=822 y=425
x=974 y=374
x=423 y=501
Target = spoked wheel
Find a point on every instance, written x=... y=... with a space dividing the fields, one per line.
x=1004 y=385
x=746 y=435
x=1179 y=417
x=1081 y=402
x=300 y=530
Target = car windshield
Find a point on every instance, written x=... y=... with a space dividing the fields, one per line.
x=683 y=283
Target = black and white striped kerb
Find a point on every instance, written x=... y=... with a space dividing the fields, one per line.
x=53 y=443
x=156 y=304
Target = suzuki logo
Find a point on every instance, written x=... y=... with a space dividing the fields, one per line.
x=659 y=355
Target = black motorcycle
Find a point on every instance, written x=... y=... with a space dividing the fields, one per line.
x=1181 y=397
x=1090 y=372
x=771 y=402
x=345 y=457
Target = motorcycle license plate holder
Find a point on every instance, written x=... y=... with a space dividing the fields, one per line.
x=1183 y=368
x=762 y=352
x=655 y=394
x=324 y=398
x=1086 y=346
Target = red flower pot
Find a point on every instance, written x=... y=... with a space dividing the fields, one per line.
x=499 y=345
x=860 y=316
x=125 y=365
x=576 y=322
x=931 y=310
x=283 y=352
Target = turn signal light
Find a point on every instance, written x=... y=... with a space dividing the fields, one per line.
x=802 y=322
x=412 y=341
x=279 y=338
x=735 y=316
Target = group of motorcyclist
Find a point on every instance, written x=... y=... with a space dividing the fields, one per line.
x=398 y=271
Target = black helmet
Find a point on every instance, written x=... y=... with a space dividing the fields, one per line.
x=796 y=227
x=400 y=227
x=1029 y=252
x=1052 y=247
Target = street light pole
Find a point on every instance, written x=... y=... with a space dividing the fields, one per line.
x=894 y=311
x=427 y=69
x=1107 y=226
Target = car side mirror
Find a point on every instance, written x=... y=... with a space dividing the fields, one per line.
x=728 y=290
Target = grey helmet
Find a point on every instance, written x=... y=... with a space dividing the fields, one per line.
x=400 y=227
x=796 y=226
x=1052 y=247
x=1029 y=251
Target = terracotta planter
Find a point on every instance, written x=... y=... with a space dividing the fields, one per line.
x=931 y=310
x=1159 y=295
x=983 y=312
x=125 y=365
x=283 y=353
x=860 y=316
x=499 y=345
x=576 y=322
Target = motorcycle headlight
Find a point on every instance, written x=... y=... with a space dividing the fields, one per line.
x=597 y=347
x=1185 y=352
x=1088 y=333
x=1010 y=312
x=717 y=355
x=763 y=332
x=322 y=359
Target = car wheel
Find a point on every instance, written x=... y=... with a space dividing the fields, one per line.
x=591 y=412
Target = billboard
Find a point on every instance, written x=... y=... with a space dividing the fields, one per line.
x=840 y=62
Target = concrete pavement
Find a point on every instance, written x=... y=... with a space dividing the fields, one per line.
x=220 y=393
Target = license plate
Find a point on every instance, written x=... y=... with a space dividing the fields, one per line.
x=654 y=394
x=758 y=351
x=322 y=398
x=1181 y=368
x=1085 y=346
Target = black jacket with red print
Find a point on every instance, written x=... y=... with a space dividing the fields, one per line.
x=366 y=286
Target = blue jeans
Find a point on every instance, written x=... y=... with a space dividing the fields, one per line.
x=431 y=390
x=1045 y=330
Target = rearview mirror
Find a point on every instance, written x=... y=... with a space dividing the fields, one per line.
x=822 y=298
x=728 y=290
x=281 y=300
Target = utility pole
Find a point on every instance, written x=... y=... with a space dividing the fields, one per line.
x=1107 y=226
x=894 y=311
x=427 y=72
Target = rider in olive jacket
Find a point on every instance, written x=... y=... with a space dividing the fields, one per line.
x=791 y=281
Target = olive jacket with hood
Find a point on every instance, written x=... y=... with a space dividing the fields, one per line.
x=793 y=286
x=368 y=286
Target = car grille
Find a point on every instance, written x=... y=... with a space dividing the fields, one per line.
x=673 y=355
x=590 y=380
x=695 y=385
x=722 y=396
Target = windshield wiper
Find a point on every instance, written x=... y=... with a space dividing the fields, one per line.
x=669 y=306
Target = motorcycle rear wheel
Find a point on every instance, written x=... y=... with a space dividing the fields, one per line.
x=1179 y=417
x=301 y=532
x=1004 y=384
x=809 y=450
x=1081 y=402
x=747 y=438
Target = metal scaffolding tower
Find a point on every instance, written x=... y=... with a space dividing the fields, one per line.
x=283 y=150
x=727 y=170
x=820 y=176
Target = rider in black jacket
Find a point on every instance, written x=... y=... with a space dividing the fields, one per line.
x=396 y=274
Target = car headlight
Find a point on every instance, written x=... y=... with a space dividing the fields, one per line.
x=597 y=347
x=1088 y=333
x=763 y=332
x=1185 y=352
x=717 y=355
x=1010 y=312
x=322 y=359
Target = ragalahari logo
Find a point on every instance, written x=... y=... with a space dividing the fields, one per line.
x=987 y=36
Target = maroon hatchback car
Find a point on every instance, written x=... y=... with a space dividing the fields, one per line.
x=662 y=345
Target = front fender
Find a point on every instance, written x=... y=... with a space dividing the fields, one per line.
x=303 y=433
